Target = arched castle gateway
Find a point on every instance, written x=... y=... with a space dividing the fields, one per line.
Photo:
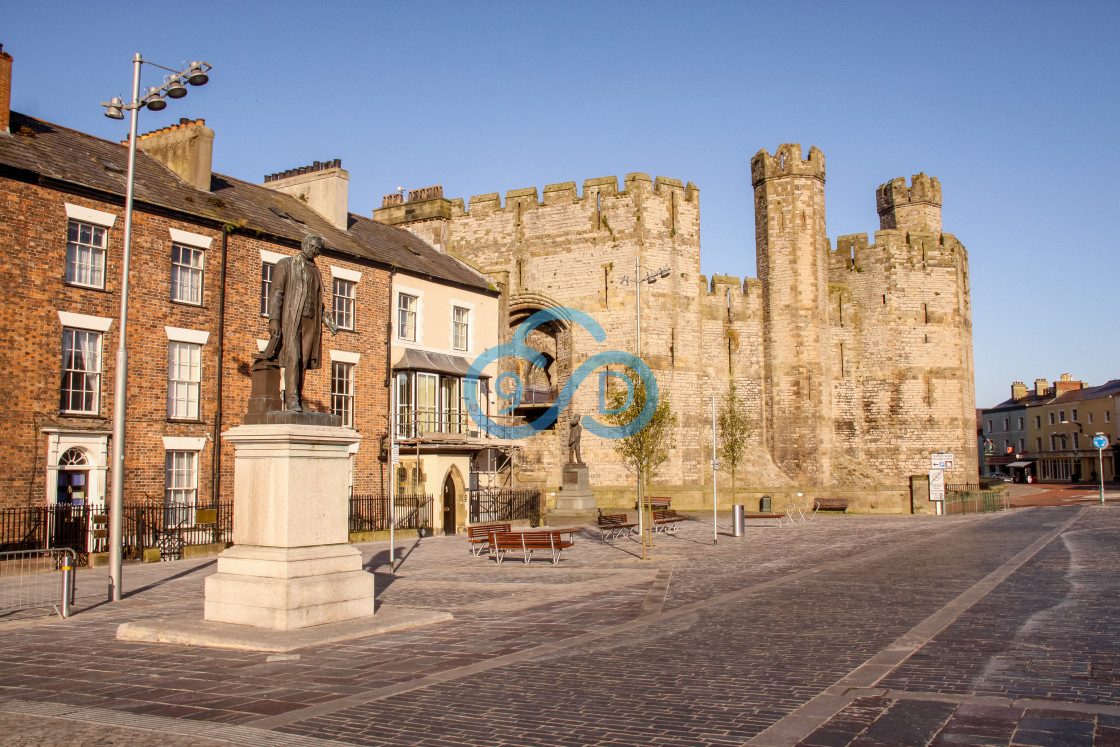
x=855 y=362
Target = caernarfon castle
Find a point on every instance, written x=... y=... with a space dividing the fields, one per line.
x=855 y=361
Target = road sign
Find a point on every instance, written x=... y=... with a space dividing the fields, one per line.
x=1100 y=442
x=941 y=460
x=937 y=484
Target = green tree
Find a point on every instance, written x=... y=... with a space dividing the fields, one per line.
x=735 y=432
x=645 y=451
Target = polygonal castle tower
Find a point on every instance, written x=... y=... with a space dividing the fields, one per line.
x=855 y=364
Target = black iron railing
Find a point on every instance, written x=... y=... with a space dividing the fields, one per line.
x=370 y=513
x=504 y=504
x=85 y=529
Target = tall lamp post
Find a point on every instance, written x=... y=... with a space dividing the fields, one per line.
x=195 y=75
x=639 y=280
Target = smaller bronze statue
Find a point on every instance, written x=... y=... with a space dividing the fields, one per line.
x=296 y=317
x=575 y=432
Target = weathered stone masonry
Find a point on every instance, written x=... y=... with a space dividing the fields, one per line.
x=856 y=363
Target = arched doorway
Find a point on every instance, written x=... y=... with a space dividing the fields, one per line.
x=452 y=495
x=73 y=478
x=448 y=505
x=70 y=512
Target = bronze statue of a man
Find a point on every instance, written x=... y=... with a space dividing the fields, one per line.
x=575 y=432
x=296 y=313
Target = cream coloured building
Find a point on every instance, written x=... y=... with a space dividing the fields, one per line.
x=438 y=329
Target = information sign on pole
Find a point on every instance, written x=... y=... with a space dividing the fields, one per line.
x=941 y=460
x=937 y=484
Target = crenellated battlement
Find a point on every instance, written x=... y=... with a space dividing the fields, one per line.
x=914 y=208
x=786 y=161
x=597 y=188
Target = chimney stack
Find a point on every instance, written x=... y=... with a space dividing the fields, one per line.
x=5 y=89
x=186 y=148
x=324 y=186
x=1041 y=386
x=1018 y=390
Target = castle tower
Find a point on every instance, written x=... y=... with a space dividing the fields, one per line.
x=913 y=208
x=792 y=251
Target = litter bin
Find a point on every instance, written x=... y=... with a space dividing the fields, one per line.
x=738 y=520
x=764 y=505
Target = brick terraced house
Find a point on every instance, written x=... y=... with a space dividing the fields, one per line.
x=203 y=246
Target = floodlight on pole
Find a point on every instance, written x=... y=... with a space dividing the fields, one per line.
x=638 y=281
x=114 y=109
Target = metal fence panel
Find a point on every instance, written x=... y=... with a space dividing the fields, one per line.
x=504 y=504
x=36 y=578
x=976 y=501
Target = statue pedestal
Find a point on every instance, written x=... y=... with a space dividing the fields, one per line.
x=575 y=500
x=290 y=566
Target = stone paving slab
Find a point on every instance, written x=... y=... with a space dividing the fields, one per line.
x=704 y=644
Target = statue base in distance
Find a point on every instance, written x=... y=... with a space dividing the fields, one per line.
x=575 y=500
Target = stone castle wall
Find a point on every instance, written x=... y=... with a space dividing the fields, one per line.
x=855 y=364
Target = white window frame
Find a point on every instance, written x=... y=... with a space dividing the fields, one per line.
x=342 y=397
x=415 y=312
x=180 y=485
x=184 y=380
x=466 y=327
x=90 y=374
x=85 y=259
x=344 y=304
x=187 y=278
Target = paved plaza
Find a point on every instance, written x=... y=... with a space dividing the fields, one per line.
x=994 y=629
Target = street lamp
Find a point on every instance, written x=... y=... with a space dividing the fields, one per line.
x=195 y=75
x=650 y=279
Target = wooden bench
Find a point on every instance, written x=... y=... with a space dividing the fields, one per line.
x=667 y=521
x=526 y=543
x=832 y=504
x=479 y=536
x=613 y=526
x=658 y=503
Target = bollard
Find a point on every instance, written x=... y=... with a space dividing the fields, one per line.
x=738 y=520
x=67 y=586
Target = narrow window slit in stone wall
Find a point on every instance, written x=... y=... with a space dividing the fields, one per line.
x=520 y=277
x=606 y=288
x=842 y=374
x=730 y=370
x=673 y=347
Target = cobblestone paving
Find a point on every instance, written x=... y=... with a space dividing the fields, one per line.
x=598 y=650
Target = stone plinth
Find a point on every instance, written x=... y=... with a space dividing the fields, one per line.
x=290 y=566
x=575 y=499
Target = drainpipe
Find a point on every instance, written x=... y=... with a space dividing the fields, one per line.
x=216 y=479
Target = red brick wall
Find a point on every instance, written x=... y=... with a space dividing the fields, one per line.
x=33 y=239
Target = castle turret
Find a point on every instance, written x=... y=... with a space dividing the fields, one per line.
x=793 y=268
x=913 y=208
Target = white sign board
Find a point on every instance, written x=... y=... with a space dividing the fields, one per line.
x=396 y=454
x=941 y=460
x=937 y=484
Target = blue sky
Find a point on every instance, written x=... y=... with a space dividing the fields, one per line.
x=1012 y=105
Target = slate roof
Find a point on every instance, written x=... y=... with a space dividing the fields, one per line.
x=76 y=158
x=1110 y=388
